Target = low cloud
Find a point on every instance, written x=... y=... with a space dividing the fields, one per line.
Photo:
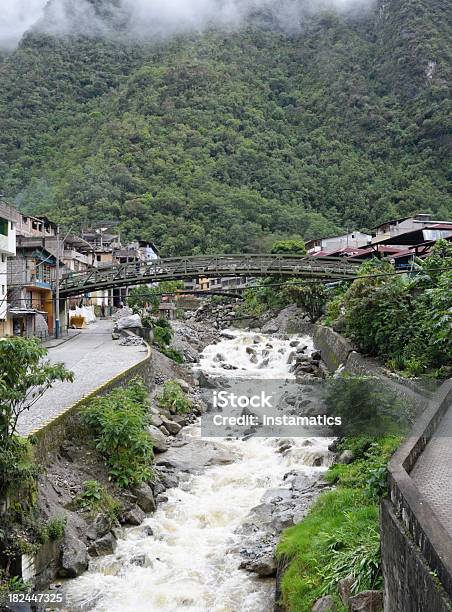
x=151 y=19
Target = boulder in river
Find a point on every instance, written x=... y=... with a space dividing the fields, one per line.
x=103 y=546
x=264 y=566
x=145 y=497
x=74 y=557
x=134 y=516
x=159 y=440
x=194 y=456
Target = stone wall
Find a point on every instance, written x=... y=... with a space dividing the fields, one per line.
x=416 y=547
x=409 y=582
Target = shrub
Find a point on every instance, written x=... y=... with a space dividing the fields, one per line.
x=163 y=332
x=173 y=354
x=55 y=528
x=173 y=398
x=94 y=498
x=119 y=422
x=366 y=406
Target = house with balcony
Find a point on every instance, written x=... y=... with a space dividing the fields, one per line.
x=31 y=279
x=7 y=250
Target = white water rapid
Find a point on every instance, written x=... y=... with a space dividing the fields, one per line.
x=192 y=559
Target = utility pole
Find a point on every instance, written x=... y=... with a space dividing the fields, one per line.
x=57 y=286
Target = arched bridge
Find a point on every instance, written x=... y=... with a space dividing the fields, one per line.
x=214 y=266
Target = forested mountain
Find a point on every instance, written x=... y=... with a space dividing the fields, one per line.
x=223 y=141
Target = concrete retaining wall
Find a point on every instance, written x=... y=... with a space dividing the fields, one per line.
x=338 y=351
x=48 y=437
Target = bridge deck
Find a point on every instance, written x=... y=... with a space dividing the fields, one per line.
x=214 y=266
x=432 y=473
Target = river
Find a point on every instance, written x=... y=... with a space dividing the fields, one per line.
x=191 y=560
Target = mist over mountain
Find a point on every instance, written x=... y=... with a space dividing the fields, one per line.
x=220 y=130
x=157 y=19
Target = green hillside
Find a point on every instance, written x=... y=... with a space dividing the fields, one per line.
x=223 y=142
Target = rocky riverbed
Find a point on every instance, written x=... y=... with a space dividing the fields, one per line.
x=202 y=535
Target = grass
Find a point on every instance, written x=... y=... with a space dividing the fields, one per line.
x=340 y=536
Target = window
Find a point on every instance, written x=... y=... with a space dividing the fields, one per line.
x=3 y=227
x=99 y=257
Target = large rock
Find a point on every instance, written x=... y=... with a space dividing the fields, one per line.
x=324 y=604
x=74 y=557
x=345 y=589
x=159 y=440
x=194 y=456
x=134 y=516
x=263 y=566
x=367 y=601
x=173 y=427
x=346 y=457
x=103 y=546
x=128 y=322
x=145 y=497
x=99 y=527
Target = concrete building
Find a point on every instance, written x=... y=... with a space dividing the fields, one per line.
x=331 y=244
x=7 y=250
x=31 y=278
x=408 y=231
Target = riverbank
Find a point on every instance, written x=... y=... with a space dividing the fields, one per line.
x=193 y=491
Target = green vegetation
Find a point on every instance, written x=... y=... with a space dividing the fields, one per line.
x=24 y=378
x=340 y=535
x=143 y=297
x=54 y=530
x=173 y=398
x=94 y=498
x=118 y=422
x=405 y=319
x=163 y=334
x=367 y=406
x=226 y=141
x=273 y=293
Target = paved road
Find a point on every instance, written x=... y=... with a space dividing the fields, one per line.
x=94 y=358
x=433 y=472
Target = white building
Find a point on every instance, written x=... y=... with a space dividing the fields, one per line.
x=352 y=240
x=7 y=249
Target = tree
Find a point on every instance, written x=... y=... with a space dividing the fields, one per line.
x=144 y=296
x=289 y=247
x=309 y=295
x=24 y=378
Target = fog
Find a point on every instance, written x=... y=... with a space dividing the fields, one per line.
x=150 y=19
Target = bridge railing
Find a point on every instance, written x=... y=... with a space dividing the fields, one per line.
x=209 y=265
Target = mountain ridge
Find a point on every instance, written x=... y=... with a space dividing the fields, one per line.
x=225 y=141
